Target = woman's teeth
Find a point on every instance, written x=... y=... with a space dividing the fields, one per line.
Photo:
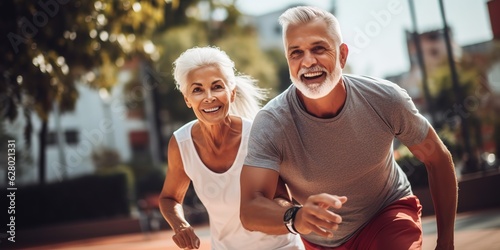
x=211 y=110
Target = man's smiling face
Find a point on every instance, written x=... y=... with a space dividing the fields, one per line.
x=314 y=58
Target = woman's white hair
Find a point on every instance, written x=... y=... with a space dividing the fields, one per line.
x=248 y=97
x=306 y=14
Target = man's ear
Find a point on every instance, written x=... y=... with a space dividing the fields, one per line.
x=187 y=102
x=344 y=51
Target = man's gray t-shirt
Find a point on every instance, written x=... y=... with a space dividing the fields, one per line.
x=350 y=154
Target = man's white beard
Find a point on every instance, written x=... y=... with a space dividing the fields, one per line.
x=316 y=90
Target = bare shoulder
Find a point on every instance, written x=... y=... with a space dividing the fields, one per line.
x=174 y=154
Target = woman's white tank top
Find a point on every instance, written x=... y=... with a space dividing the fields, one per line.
x=220 y=194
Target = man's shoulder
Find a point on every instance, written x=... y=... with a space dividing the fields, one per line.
x=368 y=80
x=372 y=85
x=279 y=102
x=276 y=113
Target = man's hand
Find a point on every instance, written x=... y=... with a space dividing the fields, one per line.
x=314 y=216
x=185 y=238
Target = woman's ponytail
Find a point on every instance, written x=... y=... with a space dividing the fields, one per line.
x=249 y=97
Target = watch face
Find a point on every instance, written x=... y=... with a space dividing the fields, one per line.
x=289 y=214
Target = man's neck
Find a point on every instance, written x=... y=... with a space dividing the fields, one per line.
x=328 y=106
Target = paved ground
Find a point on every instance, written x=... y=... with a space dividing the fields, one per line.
x=478 y=230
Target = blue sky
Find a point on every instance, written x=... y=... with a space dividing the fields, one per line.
x=374 y=30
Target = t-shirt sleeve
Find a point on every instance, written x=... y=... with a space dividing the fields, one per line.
x=410 y=127
x=263 y=150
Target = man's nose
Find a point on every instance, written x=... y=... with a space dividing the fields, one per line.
x=309 y=60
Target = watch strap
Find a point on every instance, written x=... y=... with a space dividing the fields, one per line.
x=290 y=224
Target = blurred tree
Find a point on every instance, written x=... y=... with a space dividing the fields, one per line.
x=50 y=45
x=279 y=59
x=224 y=30
x=250 y=59
x=474 y=109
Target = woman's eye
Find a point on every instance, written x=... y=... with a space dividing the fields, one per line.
x=196 y=90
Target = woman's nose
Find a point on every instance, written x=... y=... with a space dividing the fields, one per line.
x=209 y=98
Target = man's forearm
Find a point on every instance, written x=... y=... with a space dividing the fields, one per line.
x=265 y=215
x=444 y=191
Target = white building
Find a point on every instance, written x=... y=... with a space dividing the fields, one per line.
x=99 y=120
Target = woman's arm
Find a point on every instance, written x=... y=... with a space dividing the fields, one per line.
x=171 y=198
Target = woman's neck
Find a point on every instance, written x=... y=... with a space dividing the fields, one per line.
x=215 y=136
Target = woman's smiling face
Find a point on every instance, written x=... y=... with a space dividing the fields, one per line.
x=208 y=94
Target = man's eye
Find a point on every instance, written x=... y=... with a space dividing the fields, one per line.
x=295 y=54
x=319 y=49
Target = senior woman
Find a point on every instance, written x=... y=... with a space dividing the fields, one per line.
x=210 y=151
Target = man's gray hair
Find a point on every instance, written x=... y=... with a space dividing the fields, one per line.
x=306 y=14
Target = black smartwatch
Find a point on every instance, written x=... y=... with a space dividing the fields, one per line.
x=289 y=218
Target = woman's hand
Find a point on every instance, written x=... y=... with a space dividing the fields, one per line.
x=185 y=238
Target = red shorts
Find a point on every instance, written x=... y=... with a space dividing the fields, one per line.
x=397 y=226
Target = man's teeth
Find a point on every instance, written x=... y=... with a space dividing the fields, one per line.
x=211 y=110
x=313 y=74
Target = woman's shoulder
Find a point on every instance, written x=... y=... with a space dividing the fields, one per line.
x=185 y=131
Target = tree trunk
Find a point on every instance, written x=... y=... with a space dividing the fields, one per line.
x=41 y=163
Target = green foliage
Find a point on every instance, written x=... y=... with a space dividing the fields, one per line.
x=250 y=59
x=472 y=111
x=283 y=73
x=51 y=44
x=442 y=90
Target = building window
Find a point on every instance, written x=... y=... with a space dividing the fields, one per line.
x=51 y=138
x=71 y=136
